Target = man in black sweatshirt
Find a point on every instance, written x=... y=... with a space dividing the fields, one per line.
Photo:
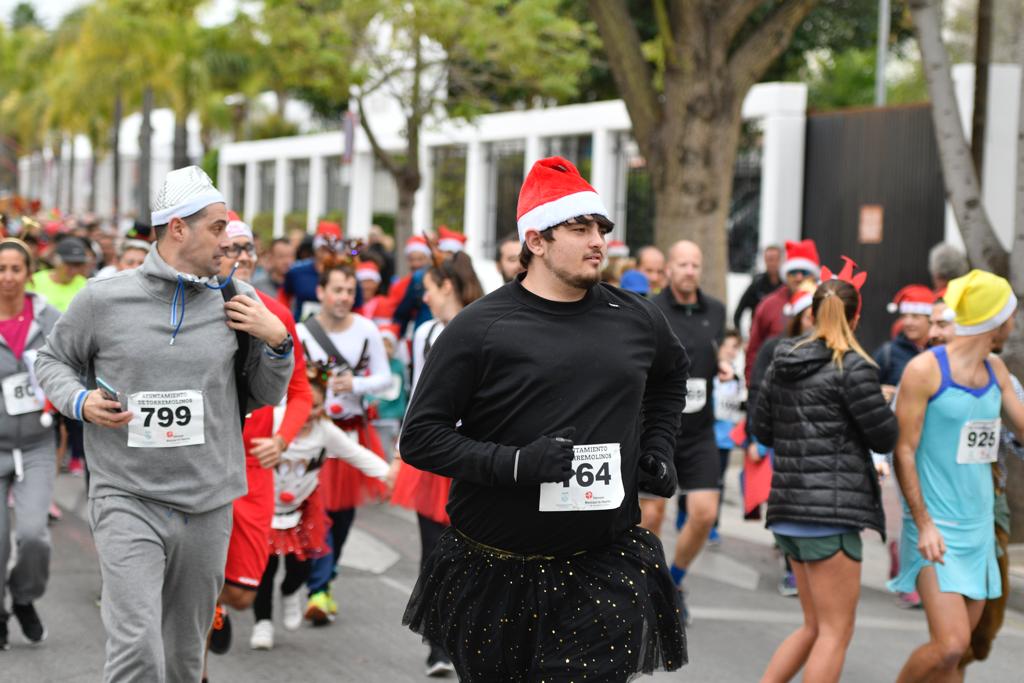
x=549 y=402
x=699 y=320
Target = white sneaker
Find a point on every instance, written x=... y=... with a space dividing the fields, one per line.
x=262 y=635
x=292 y=609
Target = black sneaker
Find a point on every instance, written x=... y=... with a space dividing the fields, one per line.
x=30 y=624
x=220 y=634
x=4 y=645
x=438 y=664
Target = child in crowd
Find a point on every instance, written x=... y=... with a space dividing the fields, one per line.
x=300 y=523
x=729 y=395
x=389 y=406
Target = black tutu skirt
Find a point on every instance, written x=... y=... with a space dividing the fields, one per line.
x=604 y=615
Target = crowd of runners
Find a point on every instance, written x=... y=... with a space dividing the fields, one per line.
x=231 y=404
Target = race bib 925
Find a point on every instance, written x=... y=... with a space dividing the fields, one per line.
x=979 y=442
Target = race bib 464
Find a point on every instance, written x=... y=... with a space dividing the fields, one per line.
x=596 y=482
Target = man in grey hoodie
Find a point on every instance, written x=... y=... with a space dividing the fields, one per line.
x=166 y=458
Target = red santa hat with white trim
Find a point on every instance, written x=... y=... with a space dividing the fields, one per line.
x=914 y=299
x=801 y=299
x=367 y=270
x=553 y=192
x=328 y=234
x=417 y=244
x=617 y=249
x=802 y=255
x=449 y=240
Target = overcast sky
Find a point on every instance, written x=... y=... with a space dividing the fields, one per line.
x=50 y=11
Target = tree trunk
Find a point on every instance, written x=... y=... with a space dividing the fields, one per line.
x=403 y=222
x=71 y=174
x=145 y=157
x=93 y=162
x=282 y=102
x=982 y=59
x=691 y=199
x=181 y=141
x=962 y=191
x=115 y=151
x=1013 y=353
x=58 y=166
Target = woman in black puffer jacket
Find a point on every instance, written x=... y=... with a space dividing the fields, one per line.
x=821 y=408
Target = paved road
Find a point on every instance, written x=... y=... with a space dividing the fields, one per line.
x=740 y=618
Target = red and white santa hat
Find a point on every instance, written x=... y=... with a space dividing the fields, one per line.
x=367 y=270
x=417 y=244
x=617 y=249
x=237 y=227
x=801 y=299
x=327 y=234
x=802 y=255
x=915 y=299
x=449 y=240
x=553 y=192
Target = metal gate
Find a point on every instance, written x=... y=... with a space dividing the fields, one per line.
x=873 y=191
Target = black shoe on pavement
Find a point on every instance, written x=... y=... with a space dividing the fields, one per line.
x=438 y=664
x=4 y=645
x=30 y=624
x=220 y=634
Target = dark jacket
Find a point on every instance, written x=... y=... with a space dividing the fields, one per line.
x=892 y=358
x=822 y=422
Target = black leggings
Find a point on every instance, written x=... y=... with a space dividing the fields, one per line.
x=296 y=572
x=430 y=532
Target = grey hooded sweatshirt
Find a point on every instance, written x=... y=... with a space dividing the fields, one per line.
x=25 y=431
x=120 y=329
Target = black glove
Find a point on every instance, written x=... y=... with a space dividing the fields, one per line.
x=547 y=459
x=657 y=476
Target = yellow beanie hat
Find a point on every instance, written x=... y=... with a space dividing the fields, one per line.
x=982 y=302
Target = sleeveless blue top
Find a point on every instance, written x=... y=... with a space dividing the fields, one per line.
x=958 y=493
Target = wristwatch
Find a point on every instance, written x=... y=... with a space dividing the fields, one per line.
x=284 y=348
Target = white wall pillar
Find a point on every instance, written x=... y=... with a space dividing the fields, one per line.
x=531 y=153
x=360 y=195
x=251 y=200
x=602 y=168
x=782 y=178
x=282 y=188
x=474 y=213
x=317 y=192
x=423 y=202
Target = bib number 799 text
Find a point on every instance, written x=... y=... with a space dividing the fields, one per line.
x=165 y=417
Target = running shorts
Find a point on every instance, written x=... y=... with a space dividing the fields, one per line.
x=698 y=463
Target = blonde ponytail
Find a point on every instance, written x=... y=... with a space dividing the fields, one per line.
x=835 y=304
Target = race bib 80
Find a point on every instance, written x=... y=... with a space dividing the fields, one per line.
x=19 y=395
x=166 y=419
x=596 y=482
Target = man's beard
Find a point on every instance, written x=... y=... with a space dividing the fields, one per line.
x=575 y=280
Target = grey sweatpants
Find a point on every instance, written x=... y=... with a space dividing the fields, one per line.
x=32 y=495
x=162 y=571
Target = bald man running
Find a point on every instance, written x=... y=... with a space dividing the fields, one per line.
x=698 y=320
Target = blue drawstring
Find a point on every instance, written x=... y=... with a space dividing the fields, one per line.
x=179 y=295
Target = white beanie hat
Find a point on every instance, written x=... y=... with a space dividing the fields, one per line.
x=185 y=191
